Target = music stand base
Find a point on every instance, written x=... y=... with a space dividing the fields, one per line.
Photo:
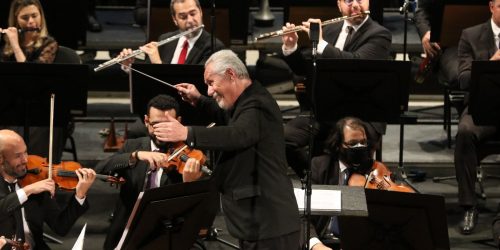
x=212 y=235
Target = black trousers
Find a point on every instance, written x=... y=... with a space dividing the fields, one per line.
x=285 y=242
x=469 y=136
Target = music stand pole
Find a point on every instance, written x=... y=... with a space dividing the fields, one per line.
x=212 y=28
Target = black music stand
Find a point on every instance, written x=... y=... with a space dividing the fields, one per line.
x=484 y=92
x=143 y=88
x=372 y=90
x=397 y=220
x=25 y=91
x=170 y=217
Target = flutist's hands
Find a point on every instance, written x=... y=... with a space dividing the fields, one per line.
x=151 y=49
x=290 y=39
x=189 y=93
x=124 y=53
x=307 y=25
x=496 y=56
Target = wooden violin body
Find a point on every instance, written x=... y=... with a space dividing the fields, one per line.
x=378 y=178
x=63 y=174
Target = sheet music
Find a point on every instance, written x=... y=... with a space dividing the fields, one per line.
x=321 y=200
x=79 y=241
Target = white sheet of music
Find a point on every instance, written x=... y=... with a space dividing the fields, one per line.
x=321 y=200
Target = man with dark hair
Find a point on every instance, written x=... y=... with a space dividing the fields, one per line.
x=479 y=42
x=349 y=151
x=358 y=38
x=142 y=163
x=193 y=48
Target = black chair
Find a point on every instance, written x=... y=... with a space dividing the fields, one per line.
x=67 y=55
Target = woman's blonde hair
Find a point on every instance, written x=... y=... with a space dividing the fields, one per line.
x=15 y=8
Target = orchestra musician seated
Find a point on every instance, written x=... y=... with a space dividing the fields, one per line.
x=348 y=161
x=24 y=209
x=143 y=163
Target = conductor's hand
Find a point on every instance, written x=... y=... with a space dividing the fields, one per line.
x=155 y=159
x=290 y=39
x=320 y=246
x=191 y=171
x=151 y=49
x=170 y=130
x=46 y=185
x=431 y=49
x=189 y=93
x=86 y=176
x=125 y=52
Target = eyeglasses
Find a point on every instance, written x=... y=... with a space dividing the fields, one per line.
x=356 y=143
x=350 y=2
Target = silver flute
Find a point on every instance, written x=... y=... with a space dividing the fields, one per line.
x=299 y=28
x=138 y=51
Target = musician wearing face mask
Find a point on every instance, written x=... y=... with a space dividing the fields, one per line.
x=349 y=151
x=357 y=38
x=194 y=48
x=140 y=162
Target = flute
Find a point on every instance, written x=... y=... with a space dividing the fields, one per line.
x=22 y=30
x=138 y=51
x=299 y=28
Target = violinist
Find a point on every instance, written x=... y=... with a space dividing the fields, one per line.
x=349 y=151
x=27 y=38
x=24 y=209
x=140 y=162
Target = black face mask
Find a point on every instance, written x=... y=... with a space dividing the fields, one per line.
x=357 y=159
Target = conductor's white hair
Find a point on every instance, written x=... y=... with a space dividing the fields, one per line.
x=225 y=59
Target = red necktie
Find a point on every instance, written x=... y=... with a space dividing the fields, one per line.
x=184 y=51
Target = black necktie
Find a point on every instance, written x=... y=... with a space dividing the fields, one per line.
x=18 y=216
x=347 y=174
x=350 y=31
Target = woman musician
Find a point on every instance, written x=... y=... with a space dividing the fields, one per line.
x=27 y=38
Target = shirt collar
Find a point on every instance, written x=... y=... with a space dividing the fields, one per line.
x=154 y=147
x=342 y=166
x=356 y=27
x=191 y=40
x=495 y=28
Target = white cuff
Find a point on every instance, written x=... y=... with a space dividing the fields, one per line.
x=321 y=46
x=287 y=52
x=313 y=241
x=81 y=201
x=21 y=195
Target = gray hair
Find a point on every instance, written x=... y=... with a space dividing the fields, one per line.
x=225 y=59
x=172 y=11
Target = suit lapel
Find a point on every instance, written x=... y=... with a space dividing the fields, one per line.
x=487 y=38
x=355 y=39
x=194 y=54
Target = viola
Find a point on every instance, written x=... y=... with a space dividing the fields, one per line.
x=380 y=178
x=63 y=174
x=179 y=155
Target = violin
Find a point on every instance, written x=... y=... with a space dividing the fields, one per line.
x=63 y=174
x=179 y=155
x=17 y=245
x=378 y=178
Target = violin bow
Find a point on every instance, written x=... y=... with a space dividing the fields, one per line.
x=51 y=133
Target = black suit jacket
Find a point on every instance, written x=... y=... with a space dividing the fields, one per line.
x=135 y=178
x=324 y=171
x=422 y=16
x=371 y=41
x=200 y=52
x=476 y=43
x=250 y=172
x=39 y=208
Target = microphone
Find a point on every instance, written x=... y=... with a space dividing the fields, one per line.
x=407 y=6
x=314 y=36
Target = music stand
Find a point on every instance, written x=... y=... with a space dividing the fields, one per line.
x=170 y=217
x=143 y=88
x=484 y=92
x=397 y=220
x=26 y=88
